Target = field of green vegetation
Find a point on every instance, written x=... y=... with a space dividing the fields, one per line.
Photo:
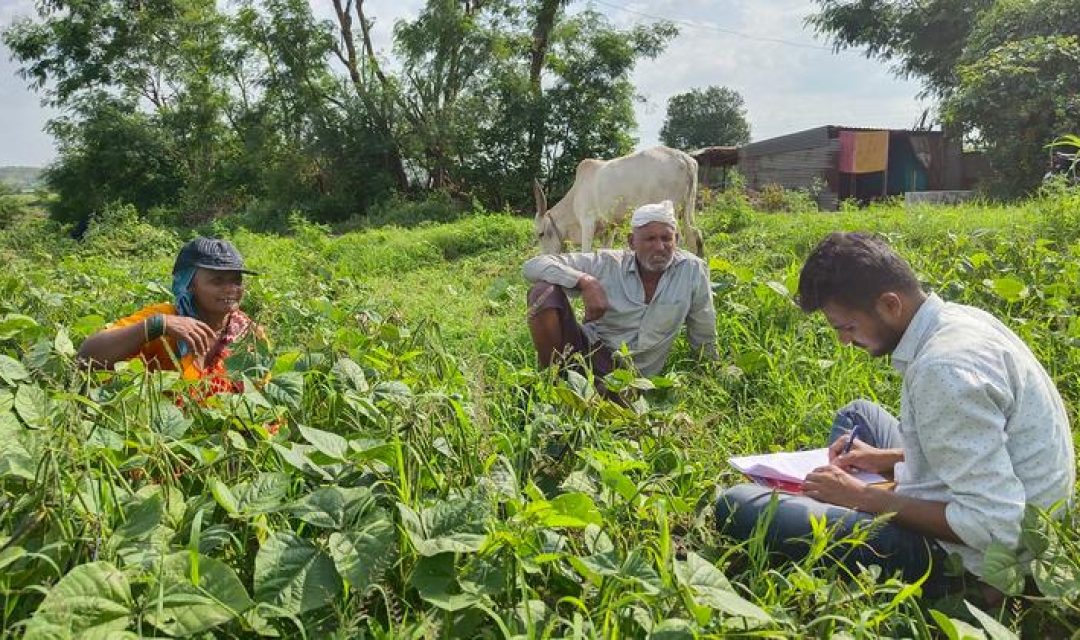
x=405 y=472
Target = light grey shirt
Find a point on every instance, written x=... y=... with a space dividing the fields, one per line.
x=683 y=295
x=982 y=424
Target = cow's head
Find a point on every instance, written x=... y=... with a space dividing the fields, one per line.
x=551 y=240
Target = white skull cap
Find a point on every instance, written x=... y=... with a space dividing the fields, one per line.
x=661 y=212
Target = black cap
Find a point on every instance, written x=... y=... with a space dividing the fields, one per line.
x=210 y=253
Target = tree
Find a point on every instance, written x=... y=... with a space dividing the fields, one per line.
x=1018 y=87
x=707 y=117
x=924 y=40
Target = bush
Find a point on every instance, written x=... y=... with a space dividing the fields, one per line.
x=437 y=206
x=774 y=198
x=117 y=230
x=726 y=211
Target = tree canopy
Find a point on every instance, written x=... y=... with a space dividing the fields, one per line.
x=200 y=110
x=705 y=117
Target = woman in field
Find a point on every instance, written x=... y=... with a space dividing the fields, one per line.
x=193 y=333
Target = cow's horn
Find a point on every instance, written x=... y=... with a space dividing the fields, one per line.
x=541 y=199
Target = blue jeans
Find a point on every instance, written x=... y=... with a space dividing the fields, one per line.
x=892 y=547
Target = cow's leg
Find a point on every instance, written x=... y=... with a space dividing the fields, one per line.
x=587 y=230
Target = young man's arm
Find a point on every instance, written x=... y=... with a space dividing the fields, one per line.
x=959 y=421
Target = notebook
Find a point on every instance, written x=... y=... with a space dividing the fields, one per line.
x=788 y=469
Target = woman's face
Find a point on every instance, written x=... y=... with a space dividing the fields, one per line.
x=217 y=293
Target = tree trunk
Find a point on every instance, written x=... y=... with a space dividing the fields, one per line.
x=350 y=58
x=545 y=22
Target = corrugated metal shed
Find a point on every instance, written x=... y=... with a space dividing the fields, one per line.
x=809 y=139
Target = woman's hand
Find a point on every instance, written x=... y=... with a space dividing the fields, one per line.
x=196 y=333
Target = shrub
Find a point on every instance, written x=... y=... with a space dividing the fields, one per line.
x=728 y=210
x=117 y=230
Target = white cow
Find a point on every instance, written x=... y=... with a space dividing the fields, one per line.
x=608 y=190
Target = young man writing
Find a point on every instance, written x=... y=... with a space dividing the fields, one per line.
x=982 y=431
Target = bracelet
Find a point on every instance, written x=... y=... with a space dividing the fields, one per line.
x=154 y=327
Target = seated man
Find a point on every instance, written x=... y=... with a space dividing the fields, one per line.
x=982 y=430
x=640 y=298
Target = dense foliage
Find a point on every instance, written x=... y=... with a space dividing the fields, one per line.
x=202 y=108
x=714 y=116
x=397 y=468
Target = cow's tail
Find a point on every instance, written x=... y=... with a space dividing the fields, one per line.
x=694 y=239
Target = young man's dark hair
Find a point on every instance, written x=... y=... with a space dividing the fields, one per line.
x=853 y=270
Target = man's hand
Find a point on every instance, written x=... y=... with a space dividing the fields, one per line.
x=834 y=485
x=199 y=336
x=592 y=294
x=863 y=457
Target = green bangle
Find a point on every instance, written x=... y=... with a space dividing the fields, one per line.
x=155 y=327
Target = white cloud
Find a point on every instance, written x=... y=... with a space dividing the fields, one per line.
x=786 y=87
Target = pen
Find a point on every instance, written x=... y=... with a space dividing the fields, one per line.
x=851 y=436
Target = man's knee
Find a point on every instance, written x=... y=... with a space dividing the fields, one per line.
x=544 y=296
x=862 y=406
x=738 y=509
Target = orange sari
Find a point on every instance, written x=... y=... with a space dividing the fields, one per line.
x=161 y=354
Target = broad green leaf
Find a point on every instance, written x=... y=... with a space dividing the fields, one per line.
x=11 y=370
x=296 y=456
x=285 y=388
x=329 y=444
x=169 y=420
x=350 y=375
x=709 y=587
x=223 y=496
x=597 y=565
x=295 y=575
x=141 y=516
x=1002 y=569
x=92 y=598
x=31 y=404
x=673 y=629
x=14 y=324
x=10 y=555
x=362 y=554
x=571 y=510
x=15 y=459
x=434 y=577
x=994 y=629
x=62 y=343
x=188 y=605
x=1009 y=288
x=87 y=325
x=263 y=494
x=956 y=629
x=333 y=507
x=486 y=575
x=452 y=525
x=639 y=570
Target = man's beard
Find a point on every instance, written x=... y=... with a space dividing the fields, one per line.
x=650 y=264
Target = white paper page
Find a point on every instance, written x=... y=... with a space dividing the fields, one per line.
x=790 y=466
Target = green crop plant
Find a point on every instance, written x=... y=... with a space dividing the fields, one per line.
x=397 y=468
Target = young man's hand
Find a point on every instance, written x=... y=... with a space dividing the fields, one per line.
x=592 y=294
x=863 y=457
x=834 y=485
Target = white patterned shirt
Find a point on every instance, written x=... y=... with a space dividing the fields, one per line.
x=982 y=424
x=683 y=295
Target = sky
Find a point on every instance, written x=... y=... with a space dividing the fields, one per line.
x=790 y=79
